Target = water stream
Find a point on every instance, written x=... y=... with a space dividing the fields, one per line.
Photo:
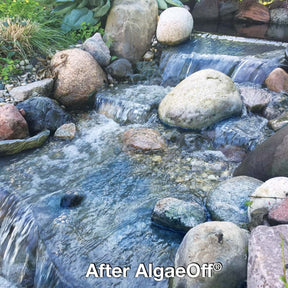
x=43 y=244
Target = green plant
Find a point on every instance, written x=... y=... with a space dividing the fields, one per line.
x=248 y=203
x=8 y=68
x=283 y=277
x=164 y=4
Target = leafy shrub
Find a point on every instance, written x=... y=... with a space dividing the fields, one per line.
x=7 y=68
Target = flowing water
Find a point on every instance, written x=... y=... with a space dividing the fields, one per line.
x=43 y=244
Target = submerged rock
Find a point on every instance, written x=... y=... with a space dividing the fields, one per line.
x=175 y=26
x=78 y=78
x=10 y=147
x=279 y=122
x=178 y=214
x=270 y=193
x=39 y=88
x=71 y=200
x=43 y=113
x=227 y=202
x=66 y=131
x=268 y=160
x=265 y=262
x=214 y=242
x=143 y=139
x=130 y=25
x=201 y=100
x=12 y=123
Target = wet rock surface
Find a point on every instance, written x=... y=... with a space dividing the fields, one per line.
x=178 y=214
x=264 y=270
x=254 y=12
x=66 y=131
x=43 y=113
x=277 y=80
x=227 y=202
x=278 y=214
x=214 y=242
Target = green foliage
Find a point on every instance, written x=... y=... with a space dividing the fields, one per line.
x=8 y=68
x=283 y=277
x=86 y=31
x=164 y=4
x=248 y=203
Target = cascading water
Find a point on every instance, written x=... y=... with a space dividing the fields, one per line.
x=44 y=244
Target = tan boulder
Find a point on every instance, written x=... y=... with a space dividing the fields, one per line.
x=78 y=77
x=12 y=123
x=130 y=26
x=277 y=80
x=253 y=12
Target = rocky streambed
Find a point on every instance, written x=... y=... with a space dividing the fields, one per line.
x=89 y=199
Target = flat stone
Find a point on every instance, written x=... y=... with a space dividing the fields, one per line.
x=143 y=139
x=227 y=202
x=279 y=213
x=265 y=262
x=66 y=131
x=178 y=214
x=10 y=147
x=256 y=100
x=254 y=12
x=39 y=88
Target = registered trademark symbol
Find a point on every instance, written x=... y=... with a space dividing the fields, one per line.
x=217 y=267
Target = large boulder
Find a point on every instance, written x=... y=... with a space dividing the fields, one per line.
x=39 y=88
x=78 y=77
x=206 y=10
x=265 y=197
x=43 y=113
x=201 y=100
x=265 y=262
x=175 y=26
x=130 y=26
x=228 y=201
x=277 y=80
x=253 y=12
x=12 y=123
x=178 y=214
x=211 y=243
x=269 y=159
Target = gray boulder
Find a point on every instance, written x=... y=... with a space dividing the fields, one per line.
x=131 y=25
x=39 y=88
x=120 y=69
x=227 y=202
x=200 y=100
x=206 y=10
x=268 y=160
x=98 y=49
x=265 y=262
x=178 y=214
x=175 y=26
x=279 y=16
x=10 y=147
x=43 y=113
x=213 y=243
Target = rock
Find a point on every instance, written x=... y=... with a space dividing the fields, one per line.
x=277 y=4
x=178 y=214
x=277 y=80
x=148 y=56
x=66 y=131
x=201 y=100
x=12 y=123
x=271 y=192
x=214 y=242
x=233 y=153
x=71 y=200
x=175 y=26
x=228 y=201
x=39 y=88
x=98 y=49
x=10 y=147
x=279 y=122
x=265 y=262
x=253 y=12
x=206 y=10
x=279 y=16
x=279 y=213
x=251 y=30
x=143 y=139
x=43 y=113
x=78 y=77
x=227 y=9
x=256 y=100
x=131 y=25
x=268 y=160
x=245 y=132
x=120 y=69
